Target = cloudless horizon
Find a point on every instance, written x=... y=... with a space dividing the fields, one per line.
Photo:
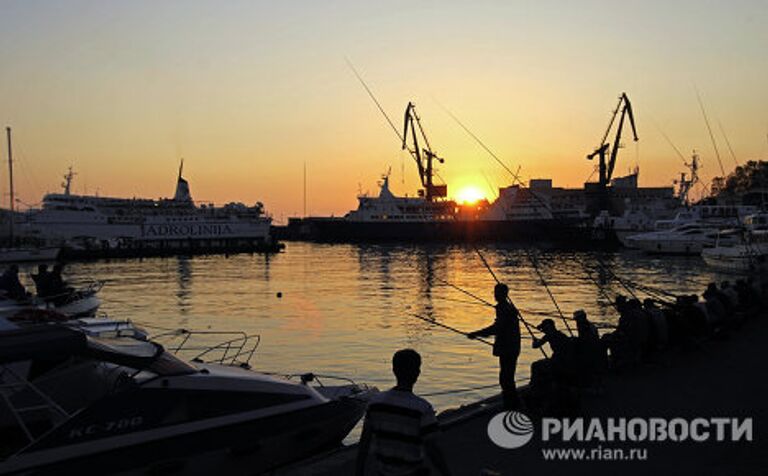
x=249 y=92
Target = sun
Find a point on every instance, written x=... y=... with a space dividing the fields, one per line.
x=469 y=194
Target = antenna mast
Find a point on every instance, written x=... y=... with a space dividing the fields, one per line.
x=67 y=184
x=305 y=189
x=10 y=179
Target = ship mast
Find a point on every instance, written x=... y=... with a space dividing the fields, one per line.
x=67 y=184
x=686 y=184
x=10 y=179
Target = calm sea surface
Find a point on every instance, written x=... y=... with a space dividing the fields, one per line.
x=345 y=308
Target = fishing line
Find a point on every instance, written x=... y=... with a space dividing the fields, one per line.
x=444 y=326
x=479 y=299
x=462 y=301
x=376 y=101
x=709 y=129
x=516 y=177
x=534 y=262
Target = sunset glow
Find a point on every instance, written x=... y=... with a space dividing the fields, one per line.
x=470 y=194
x=132 y=96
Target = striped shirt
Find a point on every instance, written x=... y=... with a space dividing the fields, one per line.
x=399 y=421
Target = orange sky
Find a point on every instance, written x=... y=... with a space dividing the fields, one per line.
x=247 y=92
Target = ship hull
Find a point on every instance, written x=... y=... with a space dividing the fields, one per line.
x=572 y=232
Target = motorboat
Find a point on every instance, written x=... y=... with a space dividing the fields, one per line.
x=73 y=303
x=77 y=403
x=745 y=254
x=687 y=239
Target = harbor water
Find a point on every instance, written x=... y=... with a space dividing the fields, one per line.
x=344 y=309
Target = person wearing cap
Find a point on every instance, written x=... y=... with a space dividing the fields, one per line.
x=558 y=342
x=506 y=344
x=659 y=327
x=585 y=329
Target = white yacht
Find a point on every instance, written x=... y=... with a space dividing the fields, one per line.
x=719 y=216
x=72 y=402
x=687 y=239
x=740 y=250
x=87 y=220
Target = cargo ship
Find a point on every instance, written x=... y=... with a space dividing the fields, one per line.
x=538 y=212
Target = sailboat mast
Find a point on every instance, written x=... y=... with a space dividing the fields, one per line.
x=10 y=179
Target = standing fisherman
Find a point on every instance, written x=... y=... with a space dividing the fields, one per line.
x=506 y=345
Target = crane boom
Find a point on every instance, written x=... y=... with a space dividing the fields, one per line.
x=422 y=156
x=623 y=109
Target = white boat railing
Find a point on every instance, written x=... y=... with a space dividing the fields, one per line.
x=238 y=350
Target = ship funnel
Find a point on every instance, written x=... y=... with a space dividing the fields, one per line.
x=182 y=187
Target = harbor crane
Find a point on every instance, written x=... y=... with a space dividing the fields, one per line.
x=423 y=156
x=607 y=164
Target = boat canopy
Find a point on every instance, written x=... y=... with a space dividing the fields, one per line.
x=43 y=341
x=57 y=342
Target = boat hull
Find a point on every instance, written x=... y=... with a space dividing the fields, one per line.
x=257 y=444
x=340 y=230
x=670 y=247
x=738 y=259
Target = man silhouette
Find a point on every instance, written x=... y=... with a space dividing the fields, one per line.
x=506 y=344
x=400 y=426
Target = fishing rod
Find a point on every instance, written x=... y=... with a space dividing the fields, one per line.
x=599 y=325
x=532 y=258
x=445 y=326
x=477 y=298
x=516 y=178
x=527 y=311
x=525 y=323
x=600 y=288
x=462 y=301
x=627 y=288
x=612 y=301
x=655 y=293
x=373 y=97
x=709 y=129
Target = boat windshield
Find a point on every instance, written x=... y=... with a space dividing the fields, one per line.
x=168 y=364
x=137 y=354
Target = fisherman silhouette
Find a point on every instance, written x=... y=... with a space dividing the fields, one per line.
x=42 y=280
x=401 y=426
x=57 y=287
x=562 y=346
x=9 y=282
x=506 y=345
x=590 y=353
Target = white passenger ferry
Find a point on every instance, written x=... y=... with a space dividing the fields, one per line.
x=86 y=220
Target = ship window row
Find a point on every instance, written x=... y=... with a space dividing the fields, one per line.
x=411 y=217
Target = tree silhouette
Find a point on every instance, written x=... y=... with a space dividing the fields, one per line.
x=752 y=176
